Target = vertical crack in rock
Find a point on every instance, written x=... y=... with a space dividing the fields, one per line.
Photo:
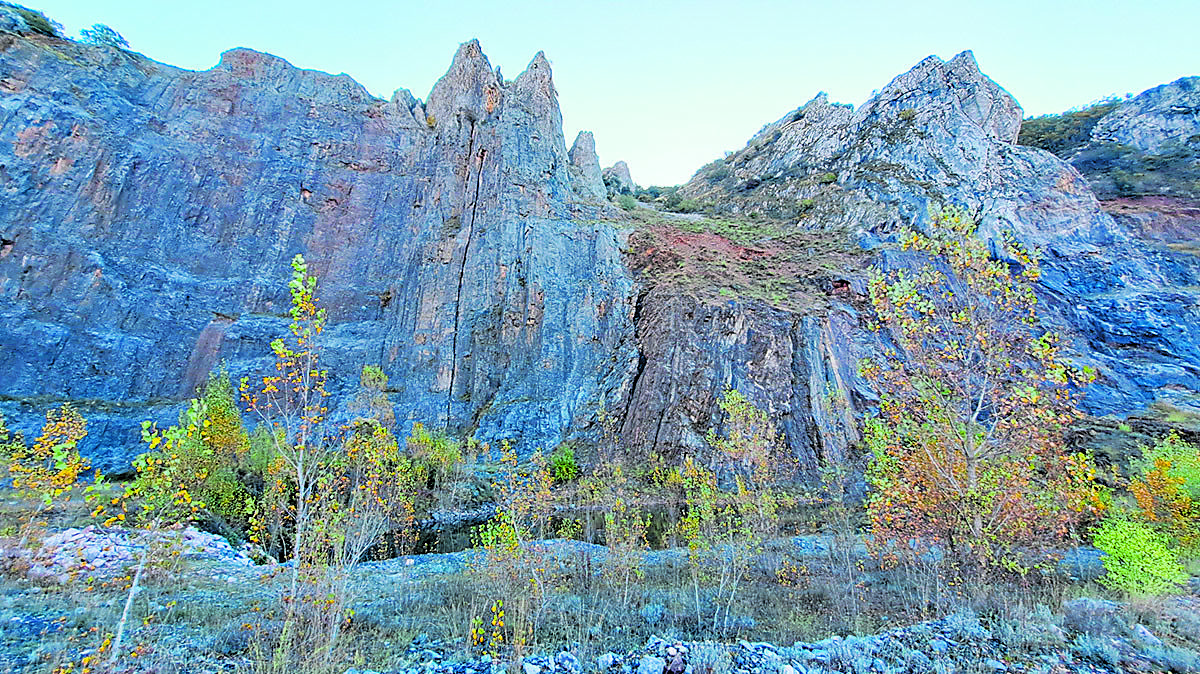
x=462 y=269
x=638 y=306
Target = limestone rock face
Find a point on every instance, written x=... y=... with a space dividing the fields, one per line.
x=588 y=180
x=148 y=215
x=1147 y=146
x=618 y=180
x=800 y=369
x=944 y=133
x=1162 y=115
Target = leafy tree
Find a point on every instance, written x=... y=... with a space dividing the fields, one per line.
x=516 y=570
x=163 y=497
x=968 y=448
x=292 y=403
x=338 y=498
x=48 y=471
x=363 y=492
x=724 y=530
x=101 y=35
x=749 y=441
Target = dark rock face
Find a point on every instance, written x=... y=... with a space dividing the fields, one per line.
x=148 y=215
x=1142 y=159
x=944 y=133
x=799 y=369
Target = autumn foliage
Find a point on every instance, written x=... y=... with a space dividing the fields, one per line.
x=968 y=447
x=50 y=470
x=1167 y=491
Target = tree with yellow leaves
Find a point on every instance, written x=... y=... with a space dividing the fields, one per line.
x=50 y=470
x=291 y=403
x=968 y=446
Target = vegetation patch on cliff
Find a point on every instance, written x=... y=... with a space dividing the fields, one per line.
x=1065 y=133
x=717 y=259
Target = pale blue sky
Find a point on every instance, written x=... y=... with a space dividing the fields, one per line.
x=669 y=86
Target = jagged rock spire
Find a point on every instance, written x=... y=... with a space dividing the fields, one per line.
x=586 y=179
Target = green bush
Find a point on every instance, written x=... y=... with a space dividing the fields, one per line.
x=1137 y=560
x=1182 y=460
x=435 y=451
x=1062 y=134
x=562 y=464
x=101 y=35
x=209 y=462
x=827 y=178
x=626 y=202
x=36 y=21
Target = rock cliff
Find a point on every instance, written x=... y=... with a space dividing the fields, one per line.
x=940 y=133
x=149 y=213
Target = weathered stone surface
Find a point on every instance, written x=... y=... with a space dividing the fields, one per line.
x=944 y=133
x=800 y=369
x=1145 y=146
x=148 y=215
x=618 y=180
x=588 y=181
x=1155 y=118
x=11 y=21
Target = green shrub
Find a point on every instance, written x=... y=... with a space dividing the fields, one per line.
x=36 y=21
x=626 y=202
x=437 y=452
x=827 y=178
x=208 y=460
x=562 y=464
x=1137 y=560
x=1181 y=458
x=101 y=35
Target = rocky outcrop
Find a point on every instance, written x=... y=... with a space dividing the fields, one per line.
x=1155 y=119
x=618 y=180
x=588 y=181
x=1145 y=146
x=148 y=215
x=944 y=133
x=800 y=369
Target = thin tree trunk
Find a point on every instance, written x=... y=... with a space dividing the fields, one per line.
x=133 y=589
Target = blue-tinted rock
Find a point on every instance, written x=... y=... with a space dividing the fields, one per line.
x=148 y=215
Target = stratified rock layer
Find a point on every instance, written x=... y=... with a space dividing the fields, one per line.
x=148 y=216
